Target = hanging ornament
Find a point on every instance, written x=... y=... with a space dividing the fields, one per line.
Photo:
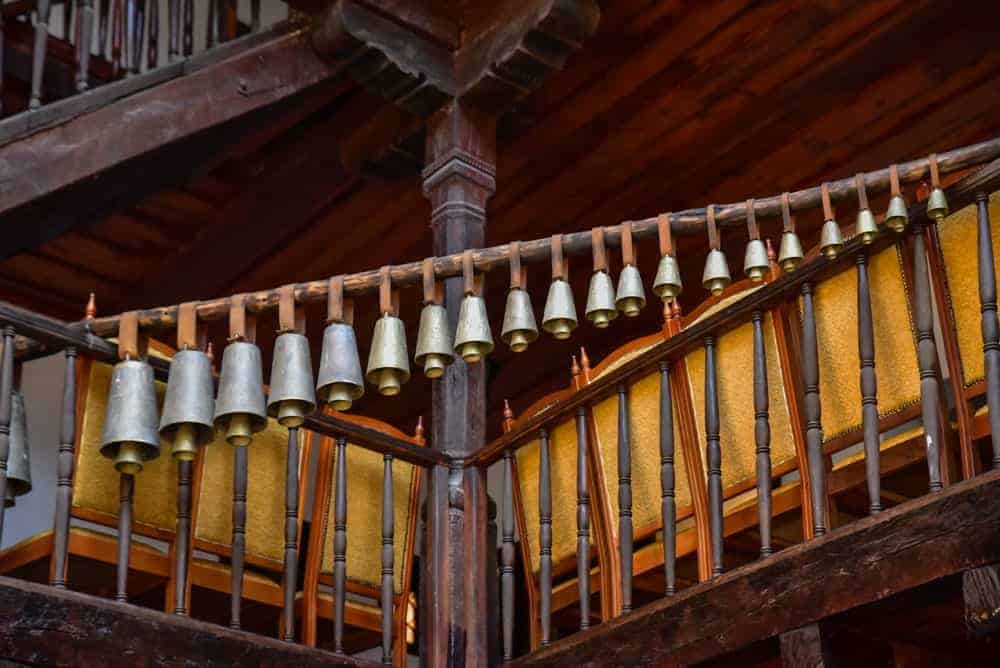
x=434 y=349
x=189 y=403
x=667 y=284
x=292 y=394
x=831 y=241
x=473 y=338
x=519 y=328
x=601 y=309
x=339 y=382
x=755 y=262
x=631 y=296
x=716 y=277
x=240 y=406
x=559 y=316
x=388 y=360
x=937 y=203
x=865 y=227
x=790 y=255
x=896 y=216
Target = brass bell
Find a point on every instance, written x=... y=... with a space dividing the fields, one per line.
x=667 y=284
x=19 y=452
x=130 y=435
x=716 y=277
x=559 y=315
x=473 y=339
x=292 y=395
x=631 y=296
x=388 y=361
x=240 y=409
x=519 y=327
x=896 y=216
x=755 y=262
x=188 y=405
x=434 y=346
x=601 y=309
x=831 y=242
x=790 y=255
x=339 y=381
x=937 y=204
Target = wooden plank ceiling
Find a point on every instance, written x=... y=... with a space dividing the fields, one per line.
x=670 y=105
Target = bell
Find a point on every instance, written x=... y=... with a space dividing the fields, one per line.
x=866 y=227
x=473 y=339
x=130 y=435
x=239 y=405
x=790 y=254
x=388 y=361
x=188 y=405
x=631 y=296
x=19 y=453
x=896 y=216
x=830 y=239
x=937 y=204
x=667 y=284
x=434 y=348
x=716 y=277
x=601 y=308
x=559 y=316
x=340 y=382
x=519 y=328
x=755 y=262
x=292 y=396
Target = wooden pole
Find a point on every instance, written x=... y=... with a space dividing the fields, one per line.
x=64 y=482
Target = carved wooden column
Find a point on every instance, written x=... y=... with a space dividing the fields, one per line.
x=458 y=180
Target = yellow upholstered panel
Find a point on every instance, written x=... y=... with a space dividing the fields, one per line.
x=958 y=245
x=266 y=466
x=95 y=480
x=644 y=429
x=724 y=302
x=734 y=369
x=836 y=306
x=364 y=517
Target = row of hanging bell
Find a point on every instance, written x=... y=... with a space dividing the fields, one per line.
x=18 y=452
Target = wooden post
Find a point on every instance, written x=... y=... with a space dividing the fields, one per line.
x=668 y=503
x=126 y=488
x=990 y=327
x=339 y=544
x=6 y=397
x=545 y=535
x=713 y=456
x=582 y=519
x=625 y=497
x=240 y=475
x=64 y=482
x=388 y=530
x=507 y=557
x=814 y=428
x=290 y=570
x=869 y=387
x=927 y=359
x=762 y=433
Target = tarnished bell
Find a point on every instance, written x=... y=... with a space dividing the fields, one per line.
x=130 y=435
x=830 y=240
x=755 y=262
x=667 y=284
x=240 y=409
x=188 y=405
x=716 y=277
x=601 y=309
x=434 y=347
x=388 y=361
x=937 y=204
x=19 y=454
x=559 y=316
x=292 y=395
x=519 y=327
x=790 y=255
x=340 y=382
x=473 y=339
x=897 y=216
x=866 y=227
x=631 y=296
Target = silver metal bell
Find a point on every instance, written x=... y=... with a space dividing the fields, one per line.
x=473 y=339
x=866 y=227
x=519 y=327
x=631 y=296
x=340 y=382
x=667 y=284
x=388 y=361
x=240 y=409
x=130 y=435
x=601 y=308
x=434 y=346
x=716 y=277
x=937 y=204
x=188 y=405
x=292 y=395
x=559 y=315
x=19 y=454
x=896 y=216
x=790 y=255
x=831 y=241
x=755 y=262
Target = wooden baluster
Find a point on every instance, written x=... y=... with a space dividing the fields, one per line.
x=228 y=21
x=990 y=328
x=869 y=387
x=714 y=456
x=211 y=25
x=117 y=35
x=1 y=61
x=668 y=505
x=153 y=52
x=582 y=519
x=69 y=15
x=42 y=15
x=182 y=548
x=86 y=24
x=6 y=398
x=625 y=496
x=103 y=18
x=188 y=39
x=239 y=533
x=174 y=31
x=136 y=33
x=64 y=473
x=387 y=560
x=762 y=434
x=254 y=15
x=339 y=544
x=927 y=359
x=291 y=532
x=507 y=557
x=126 y=488
x=814 y=429
x=545 y=535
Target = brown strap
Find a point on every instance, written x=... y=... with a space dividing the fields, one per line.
x=237 y=317
x=628 y=250
x=665 y=234
x=559 y=267
x=824 y=191
x=187 y=326
x=713 y=230
x=599 y=249
x=335 y=300
x=752 y=220
x=128 y=335
x=286 y=308
x=384 y=291
x=859 y=181
x=430 y=289
x=788 y=225
x=468 y=274
x=894 y=180
x=935 y=174
x=516 y=273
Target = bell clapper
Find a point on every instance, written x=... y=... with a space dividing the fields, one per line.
x=185 y=446
x=238 y=431
x=339 y=396
x=129 y=458
x=291 y=413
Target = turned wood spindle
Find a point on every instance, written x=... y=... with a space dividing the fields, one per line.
x=43 y=11
x=126 y=488
x=6 y=399
x=990 y=327
x=927 y=359
x=507 y=558
x=254 y=15
x=187 y=41
x=86 y=28
x=64 y=472
x=714 y=456
x=388 y=530
x=185 y=474
x=153 y=50
x=339 y=544
x=239 y=533
x=103 y=19
x=762 y=434
x=173 y=31
x=211 y=25
x=136 y=34
x=668 y=504
x=625 y=496
x=869 y=387
x=545 y=535
x=582 y=519
x=291 y=533
x=117 y=35
x=814 y=428
x=1 y=61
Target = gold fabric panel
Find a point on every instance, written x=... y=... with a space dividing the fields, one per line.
x=836 y=305
x=266 y=464
x=959 y=243
x=724 y=302
x=364 y=517
x=95 y=480
x=734 y=367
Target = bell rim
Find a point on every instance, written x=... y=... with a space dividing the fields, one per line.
x=204 y=433
x=323 y=391
x=147 y=451
x=530 y=334
x=273 y=407
x=258 y=423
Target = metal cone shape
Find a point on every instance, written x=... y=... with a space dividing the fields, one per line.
x=667 y=284
x=240 y=409
x=292 y=394
x=631 y=296
x=937 y=204
x=519 y=328
x=434 y=348
x=19 y=454
x=831 y=241
x=473 y=339
x=188 y=405
x=340 y=382
x=790 y=255
x=716 y=277
x=896 y=217
x=130 y=435
x=388 y=360
x=866 y=227
x=559 y=316
x=755 y=262
x=601 y=308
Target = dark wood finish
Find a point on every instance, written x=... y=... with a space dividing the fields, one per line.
x=806 y=647
x=86 y=24
x=153 y=51
x=981 y=594
x=668 y=504
x=625 y=496
x=814 y=427
x=126 y=488
x=174 y=31
x=762 y=434
x=387 y=557
x=582 y=520
x=182 y=544
x=713 y=456
x=371 y=438
x=869 y=387
x=927 y=359
x=507 y=558
x=905 y=546
x=188 y=40
x=545 y=536
x=291 y=566
x=64 y=472
x=6 y=398
x=990 y=327
x=42 y=15
x=339 y=545
x=240 y=474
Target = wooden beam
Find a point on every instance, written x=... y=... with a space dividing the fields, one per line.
x=876 y=557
